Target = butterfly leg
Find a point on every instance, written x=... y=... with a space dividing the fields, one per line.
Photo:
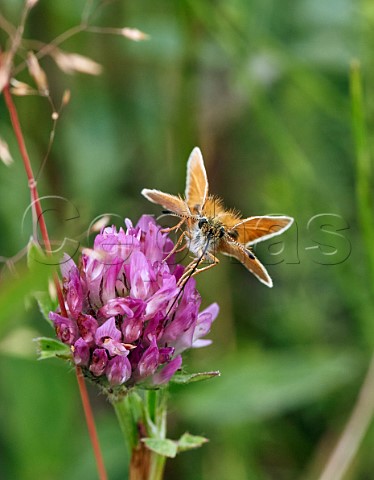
x=175 y=249
x=192 y=270
x=215 y=261
x=170 y=229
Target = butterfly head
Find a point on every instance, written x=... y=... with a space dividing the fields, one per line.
x=211 y=228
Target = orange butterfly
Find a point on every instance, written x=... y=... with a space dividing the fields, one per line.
x=210 y=228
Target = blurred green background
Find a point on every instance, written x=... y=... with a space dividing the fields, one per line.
x=262 y=86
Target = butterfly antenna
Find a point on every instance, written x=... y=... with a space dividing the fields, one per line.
x=179 y=215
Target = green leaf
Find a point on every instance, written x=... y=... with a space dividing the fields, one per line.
x=188 y=442
x=36 y=256
x=49 y=348
x=194 y=377
x=162 y=446
x=15 y=289
x=28 y=280
x=46 y=304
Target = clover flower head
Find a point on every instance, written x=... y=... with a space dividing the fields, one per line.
x=128 y=320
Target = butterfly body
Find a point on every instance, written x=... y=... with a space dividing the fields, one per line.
x=205 y=234
x=212 y=229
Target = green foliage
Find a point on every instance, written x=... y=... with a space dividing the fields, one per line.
x=46 y=304
x=170 y=448
x=256 y=387
x=162 y=446
x=51 y=348
x=193 y=377
x=263 y=88
x=188 y=442
x=14 y=291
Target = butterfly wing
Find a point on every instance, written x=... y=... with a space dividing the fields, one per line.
x=256 y=229
x=249 y=261
x=196 y=182
x=169 y=202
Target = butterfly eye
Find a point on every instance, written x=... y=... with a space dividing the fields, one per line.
x=202 y=222
x=221 y=232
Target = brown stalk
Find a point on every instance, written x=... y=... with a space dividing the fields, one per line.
x=140 y=462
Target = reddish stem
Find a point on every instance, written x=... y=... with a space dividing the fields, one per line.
x=44 y=232
x=26 y=161
x=91 y=424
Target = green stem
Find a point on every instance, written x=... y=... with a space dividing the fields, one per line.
x=157 y=466
x=141 y=417
x=156 y=401
x=128 y=419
